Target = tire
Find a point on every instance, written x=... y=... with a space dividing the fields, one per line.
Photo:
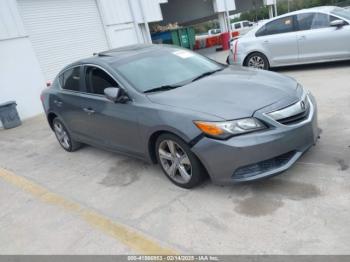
x=178 y=162
x=228 y=60
x=257 y=60
x=63 y=137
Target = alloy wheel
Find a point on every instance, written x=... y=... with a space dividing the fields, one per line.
x=175 y=161
x=62 y=135
x=256 y=62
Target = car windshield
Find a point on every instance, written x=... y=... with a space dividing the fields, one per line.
x=164 y=67
x=344 y=13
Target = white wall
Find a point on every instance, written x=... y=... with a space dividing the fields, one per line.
x=21 y=78
x=11 y=25
x=124 y=19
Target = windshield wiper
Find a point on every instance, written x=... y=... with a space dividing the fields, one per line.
x=207 y=74
x=162 y=88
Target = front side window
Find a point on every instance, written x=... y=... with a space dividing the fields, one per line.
x=98 y=80
x=237 y=26
x=320 y=21
x=246 y=24
x=170 y=66
x=305 y=21
x=278 y=26
x=70 y=79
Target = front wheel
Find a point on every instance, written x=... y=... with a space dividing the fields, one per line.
x=257 y=60
x=177 y=161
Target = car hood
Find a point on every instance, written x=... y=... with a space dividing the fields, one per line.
x=232 y=93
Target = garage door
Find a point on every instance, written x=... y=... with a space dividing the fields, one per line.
x=62 y=31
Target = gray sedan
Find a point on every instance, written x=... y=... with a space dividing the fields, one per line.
x=193 y=116
x=306 y=36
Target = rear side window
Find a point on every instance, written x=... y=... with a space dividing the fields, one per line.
x=70 y=79
x=278 y=26
x=98 y=80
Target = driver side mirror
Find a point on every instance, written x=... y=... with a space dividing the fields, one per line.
x=116 y=95
x=337 y=23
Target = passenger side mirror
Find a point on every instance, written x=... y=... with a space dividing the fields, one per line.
x=116 y=95
x=337 y=23
x=112 y=93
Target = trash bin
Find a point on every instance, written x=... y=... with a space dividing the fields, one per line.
x=184 y=37
x=9 y=115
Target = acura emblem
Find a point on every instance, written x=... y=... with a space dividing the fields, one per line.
x=302 y=105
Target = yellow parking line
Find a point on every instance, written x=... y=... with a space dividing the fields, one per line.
x=134 y=240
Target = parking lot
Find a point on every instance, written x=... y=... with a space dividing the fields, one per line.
x=97 y=202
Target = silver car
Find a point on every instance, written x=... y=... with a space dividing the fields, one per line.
x=306 y=36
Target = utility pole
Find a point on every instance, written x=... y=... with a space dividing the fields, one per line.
x=228 y=21
x=145 y=22
x=275 y=4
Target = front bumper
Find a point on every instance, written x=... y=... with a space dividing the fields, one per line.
x=260 y=154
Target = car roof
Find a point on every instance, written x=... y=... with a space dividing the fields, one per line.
x=116 y=54
x=121 y=52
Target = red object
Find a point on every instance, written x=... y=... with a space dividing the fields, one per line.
x=225 y=40
x=235 y=34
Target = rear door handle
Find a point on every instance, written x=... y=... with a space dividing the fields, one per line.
x=58 y=103
x=266 y=41
x=302 y=37
x=89 y=110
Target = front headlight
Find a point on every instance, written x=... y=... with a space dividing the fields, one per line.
x=226 y=129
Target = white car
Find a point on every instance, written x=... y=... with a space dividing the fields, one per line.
x=212 y=32
x=306 y=36
x=242 y=27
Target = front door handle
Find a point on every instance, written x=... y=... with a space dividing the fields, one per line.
x=302 y=37
x=89 y=110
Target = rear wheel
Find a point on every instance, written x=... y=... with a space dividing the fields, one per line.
x=257 y=60
x=63 y=137
x=177 y=161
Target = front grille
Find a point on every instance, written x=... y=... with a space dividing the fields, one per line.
x=292 y=114
x=295 y=119
x=263 y=166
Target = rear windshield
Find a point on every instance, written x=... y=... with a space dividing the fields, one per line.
x=341 y=12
